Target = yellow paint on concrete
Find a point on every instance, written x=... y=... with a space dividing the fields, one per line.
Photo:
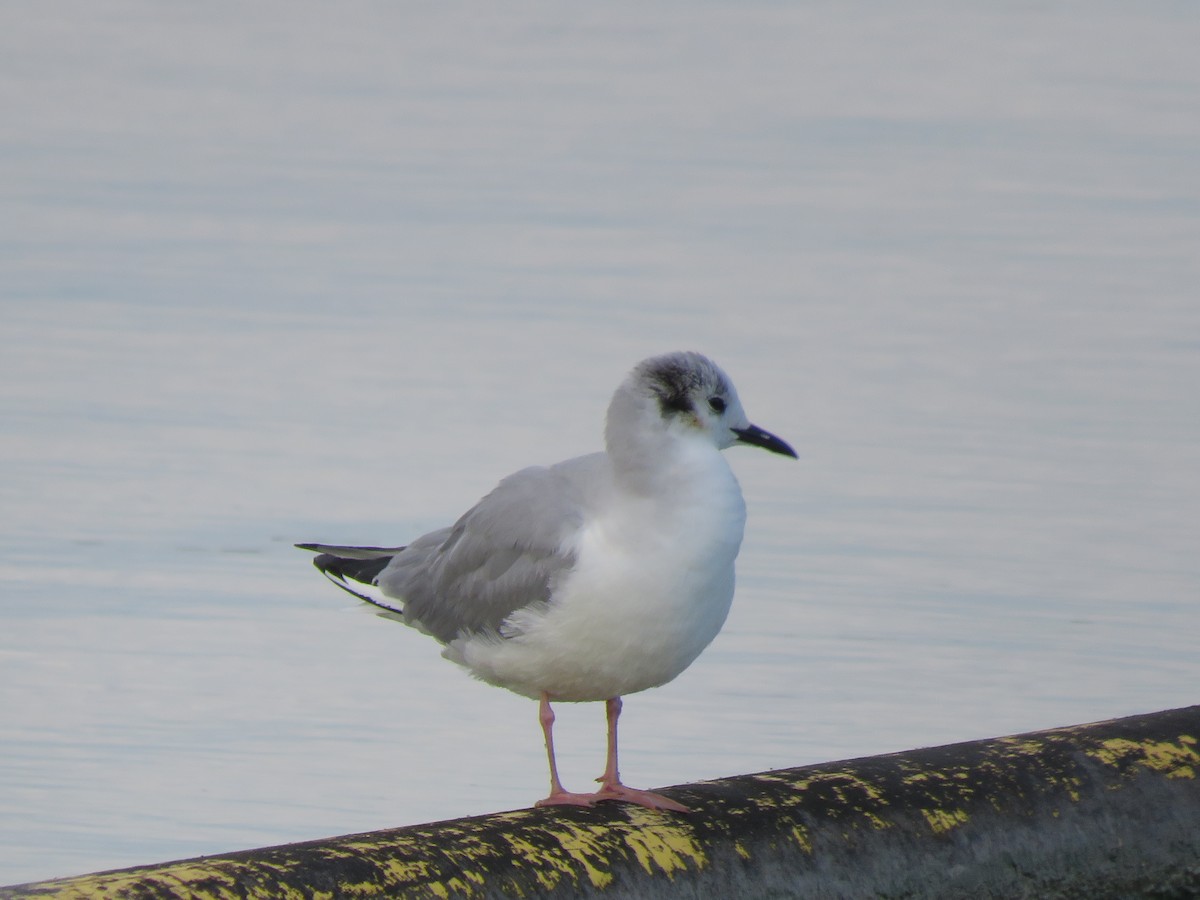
x=870 y=789
x=1073 y=785
x=545 y=855
x=877 y=822
x=586 y=845
x=523 y=849
x=185 y=877
x=767 y=802
x=857 y=794
x=943 y=820
x=1174 y=760
x=397 y=871
x=662 y=843
x=1015 y=746
x=800 y=833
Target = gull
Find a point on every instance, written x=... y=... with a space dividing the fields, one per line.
x=593 y=578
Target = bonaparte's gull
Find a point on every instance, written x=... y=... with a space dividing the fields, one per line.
x=592 y=578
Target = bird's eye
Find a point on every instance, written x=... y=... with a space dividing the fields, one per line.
x=716 y=404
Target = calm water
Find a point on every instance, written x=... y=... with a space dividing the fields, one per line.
x=281 y=273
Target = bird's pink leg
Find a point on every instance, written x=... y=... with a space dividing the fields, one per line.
x=558 y=796
x=610 y=782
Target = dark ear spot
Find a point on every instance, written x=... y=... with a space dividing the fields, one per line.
x=673 y=382
x=674 y=403
x=680 y=380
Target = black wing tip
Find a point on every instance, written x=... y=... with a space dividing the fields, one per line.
x=327 y=563
x=364 y=571
x=340 y=571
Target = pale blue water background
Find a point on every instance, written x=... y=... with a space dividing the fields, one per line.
x=302 y=272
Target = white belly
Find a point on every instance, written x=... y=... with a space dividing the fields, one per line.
x=647 y=595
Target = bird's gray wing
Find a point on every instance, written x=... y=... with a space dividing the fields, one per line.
x=503 y=554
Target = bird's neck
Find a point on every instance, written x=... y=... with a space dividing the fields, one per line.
x=671 y=468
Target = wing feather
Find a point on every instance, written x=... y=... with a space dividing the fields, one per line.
x=503 y=554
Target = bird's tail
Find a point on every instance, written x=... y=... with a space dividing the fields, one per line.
x=341 y=565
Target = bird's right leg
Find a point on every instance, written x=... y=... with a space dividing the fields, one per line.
x=558 y=796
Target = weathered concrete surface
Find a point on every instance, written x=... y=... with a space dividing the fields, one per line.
x=1110 y=809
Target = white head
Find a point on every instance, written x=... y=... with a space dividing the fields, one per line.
x=680 y=397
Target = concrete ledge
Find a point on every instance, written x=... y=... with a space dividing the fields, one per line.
x=1110 y=809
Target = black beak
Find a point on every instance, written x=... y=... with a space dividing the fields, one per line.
x=759 y=438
